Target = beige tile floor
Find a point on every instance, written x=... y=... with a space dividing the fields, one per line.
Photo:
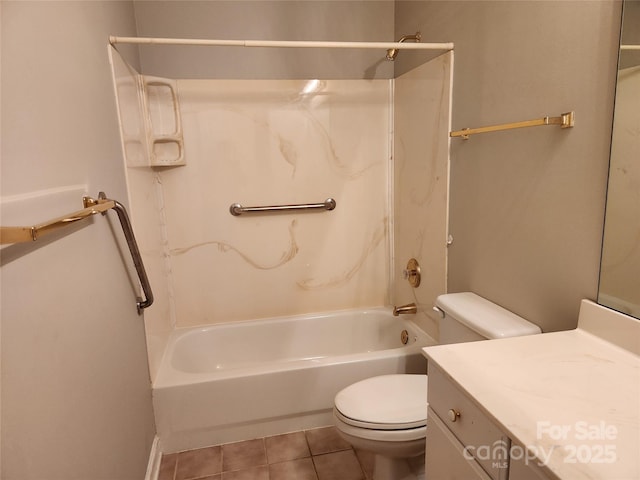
x=318 y=454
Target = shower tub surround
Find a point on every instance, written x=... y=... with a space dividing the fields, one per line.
x=244 y=379
x=378 y=147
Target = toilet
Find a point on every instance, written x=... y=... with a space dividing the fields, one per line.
x=387 y=415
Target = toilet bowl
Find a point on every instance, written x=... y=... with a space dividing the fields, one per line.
x=387 y=415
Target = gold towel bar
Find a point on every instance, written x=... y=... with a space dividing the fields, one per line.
x=565 y=120
x=92 y=206
x=29 y=234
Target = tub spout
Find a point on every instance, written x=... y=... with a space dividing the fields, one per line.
x=408 y=308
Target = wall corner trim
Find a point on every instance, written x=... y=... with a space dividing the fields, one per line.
x=155 y=456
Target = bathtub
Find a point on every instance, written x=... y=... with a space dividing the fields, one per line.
x=242 y=380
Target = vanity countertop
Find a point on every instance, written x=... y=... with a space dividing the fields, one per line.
x=572 y=398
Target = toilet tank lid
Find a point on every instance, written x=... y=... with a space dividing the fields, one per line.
x=485 y=317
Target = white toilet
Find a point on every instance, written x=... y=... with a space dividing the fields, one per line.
x=387 y=415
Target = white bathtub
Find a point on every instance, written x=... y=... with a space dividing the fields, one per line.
x=244 y=380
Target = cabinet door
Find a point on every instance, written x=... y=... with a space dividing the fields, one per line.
x=445 y=459
x=521 y=470
x=470 y=425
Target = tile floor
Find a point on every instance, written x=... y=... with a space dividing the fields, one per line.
x=318 y=454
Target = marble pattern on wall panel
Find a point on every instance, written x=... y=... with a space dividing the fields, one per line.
x=267 y=143
x=147 y=217
x=421 y=182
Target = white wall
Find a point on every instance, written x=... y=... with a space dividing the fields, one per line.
x=76 y=400
x=527 y=205
x=342 y=20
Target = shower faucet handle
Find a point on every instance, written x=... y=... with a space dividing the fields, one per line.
x=412 y=273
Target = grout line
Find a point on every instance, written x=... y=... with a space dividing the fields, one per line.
x=306 y=439
x=311 y=455
x=221 y=461
x=364 y=472
x=267 y=463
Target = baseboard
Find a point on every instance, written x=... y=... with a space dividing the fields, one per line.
x=153 y=467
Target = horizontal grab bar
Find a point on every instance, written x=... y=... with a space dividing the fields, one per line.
x=236 y=209
x=92 y=206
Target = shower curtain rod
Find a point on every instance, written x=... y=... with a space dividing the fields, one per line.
x=278 y=43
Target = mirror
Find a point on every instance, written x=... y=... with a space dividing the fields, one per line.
x=620 y=269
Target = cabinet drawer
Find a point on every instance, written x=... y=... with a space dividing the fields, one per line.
x=445 y=457
x=481 y=437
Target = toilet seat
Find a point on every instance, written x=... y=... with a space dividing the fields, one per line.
x=387 y=402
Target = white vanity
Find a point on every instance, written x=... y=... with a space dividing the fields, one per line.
x=562 y=405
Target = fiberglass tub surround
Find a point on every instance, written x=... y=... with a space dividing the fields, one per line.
x=378 y=147
x=242 y=379
x=195 y=147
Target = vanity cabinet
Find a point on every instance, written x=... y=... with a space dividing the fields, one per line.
x=462 y=442
x=555 y=393
x=445 y=458
x=521 y=470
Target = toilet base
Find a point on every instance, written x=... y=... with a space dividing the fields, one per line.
x=386 y=468
x=393 y=459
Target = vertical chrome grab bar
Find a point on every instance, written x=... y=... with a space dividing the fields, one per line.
x=91 y=207
x=125 y=223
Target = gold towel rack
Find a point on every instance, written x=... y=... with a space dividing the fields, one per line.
x=91 y=207
x=565 y=120
x=33 y=233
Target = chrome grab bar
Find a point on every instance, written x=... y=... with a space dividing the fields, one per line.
x=236 y=209
x=135 y=255
x=92 y=206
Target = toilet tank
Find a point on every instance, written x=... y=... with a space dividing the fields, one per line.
x=467 y=317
